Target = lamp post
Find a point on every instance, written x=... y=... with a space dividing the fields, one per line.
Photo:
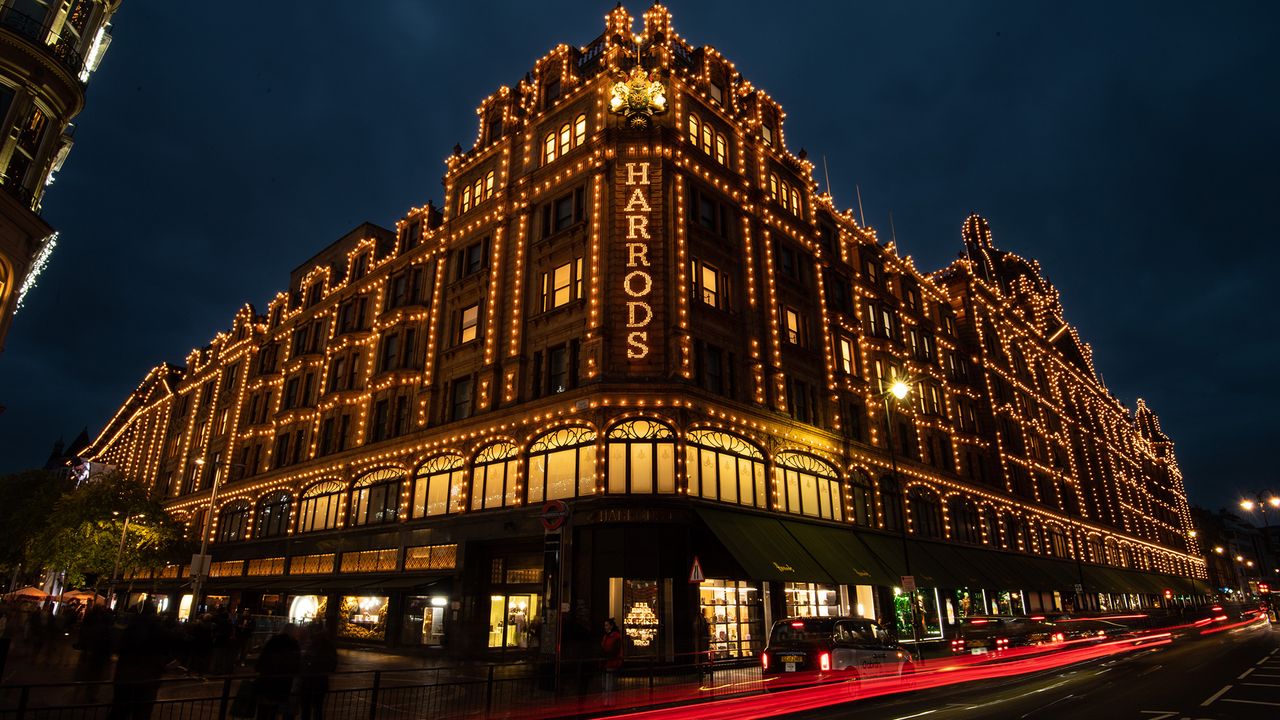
x=201 y=568
x=1262 y=502
x=898 y=390
x=115 y=572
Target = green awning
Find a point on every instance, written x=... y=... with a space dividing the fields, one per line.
x=1051 y=574
x=1006 y=571
x=764 y=549
x=839 y=551
x=930 y=569
x=957 y=566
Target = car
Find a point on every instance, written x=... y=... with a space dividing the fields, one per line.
x=978 y=634
x=831 y=647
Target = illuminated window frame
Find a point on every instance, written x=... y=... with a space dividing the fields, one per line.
x=636 y=461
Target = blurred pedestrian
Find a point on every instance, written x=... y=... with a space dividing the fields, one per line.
x=221 y=631
x=245 y=626
x=319 y=661
x=277 y=667
x=611 y=646
x=145 y=649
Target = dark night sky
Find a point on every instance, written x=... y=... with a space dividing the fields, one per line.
x=1130 y=147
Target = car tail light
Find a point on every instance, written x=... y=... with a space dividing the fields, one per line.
x=798 y=624
x=824 y=661
x=1002 y=643
x=957 y=645
x=764 y=660
x=1059 y=637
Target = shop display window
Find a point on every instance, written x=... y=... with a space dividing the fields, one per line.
x=514 y=621
x=963 y=602
x=733 y=612
x=1008 y=603
x=424 y=620
x=928 y=623
x=363 y=617
x=306 y=608
x=812 y=599
x=638 y=606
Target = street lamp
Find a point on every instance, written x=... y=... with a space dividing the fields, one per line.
x=898 y=390
x=115 y=572
x=201 y=567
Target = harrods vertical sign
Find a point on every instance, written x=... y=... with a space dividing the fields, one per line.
x=637 y=292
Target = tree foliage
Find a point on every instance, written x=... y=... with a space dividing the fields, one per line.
x=26 y=501
x=82 y=534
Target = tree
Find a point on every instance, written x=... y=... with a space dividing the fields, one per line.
x=29 y=497
x=82 y=534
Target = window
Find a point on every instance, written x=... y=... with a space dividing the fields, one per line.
x=710 y=285
x=808 y=486
x=714 y=369
x=439 y=487
x=562 y=285
x=460 y=399
x=550 y=92
x=389 y=354
x=557 y=144
x=642 y=458
x=273 y=515
x=788 y=262
x=1058 y=545
x=360 y=266
x=845 y=355
x=862 y=499
x=722 y=149
x=563 y=212
x=404 y=288
x=709 y=214
x=233 y=522
x=562 y=464
x=351 y=314
x=471 y=259
x=468 y=324
x=791 y=327
x=493 y=479
x=375 y=497
x=802 y=400
x=319 y=506
x=717 y=92
x=766 y=134
x=890 y=504
x=724 y=467
x=964 y=520
x=282 y=450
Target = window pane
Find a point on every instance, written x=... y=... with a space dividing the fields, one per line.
x=809 y=493
x=728 y=478
x=708 y=466
x=642 y=467
x=560 y=474
x=692 y=469
x=587 y=470
x=666 y=467
x=617 y=467
x=537 y=477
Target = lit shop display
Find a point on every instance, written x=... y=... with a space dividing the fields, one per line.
x=733 y=612
x=363 y=617
x=514 y=621
x=928 y=623
x=639 y=606
x=424 y=619
x=306 y=608
x=811 y=599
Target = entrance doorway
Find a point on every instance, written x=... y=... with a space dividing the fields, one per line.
x=514 y=620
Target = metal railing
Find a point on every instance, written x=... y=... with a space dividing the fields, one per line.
x=517 y=690
x=60 y=48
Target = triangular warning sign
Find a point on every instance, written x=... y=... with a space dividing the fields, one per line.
x=695 y=572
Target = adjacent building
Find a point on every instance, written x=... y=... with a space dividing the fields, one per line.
x=48 y=49
x=637 y=365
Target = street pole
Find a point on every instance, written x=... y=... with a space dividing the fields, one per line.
x=899 y=390
x=115 y=572
x=197 y=586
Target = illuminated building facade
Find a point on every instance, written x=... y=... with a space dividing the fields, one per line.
x=48 y=49
x=634 y=300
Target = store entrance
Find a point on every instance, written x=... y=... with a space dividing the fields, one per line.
x=514 y=620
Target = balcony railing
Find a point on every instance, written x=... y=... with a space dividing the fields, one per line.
x=60 y=48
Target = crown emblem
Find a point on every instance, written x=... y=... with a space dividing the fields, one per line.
x=638 y=97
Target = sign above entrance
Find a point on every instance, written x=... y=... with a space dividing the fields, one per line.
x=908 y=583
x=554 y=513
x=695 y=572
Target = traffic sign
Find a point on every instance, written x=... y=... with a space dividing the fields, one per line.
x=695 y=572
x=1079 y=588
x=554 y=513
x=909 y=583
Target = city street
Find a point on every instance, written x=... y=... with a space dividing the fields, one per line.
x=1228 y=675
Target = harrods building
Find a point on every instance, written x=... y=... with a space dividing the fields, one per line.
x=635 y=300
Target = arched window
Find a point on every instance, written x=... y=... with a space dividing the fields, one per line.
x=233 y=521
x=1017 y=533
x=375 y=497
x=439 y=487
x=863 y=501
x=642 y=458
x=808 y=486
x=890 y=504
x=488 y=185
x=579 y=130
x=493 y=479
x=926 y=512
x=724 y=467
x=549 y=148
x=1057 y=544
x=708 y=136
x=1113 y=551
x=992 y=526
x=795 y=201
x=695 y=129
x=773 y=185
x=722 y=149
x=964 y=520
x=562 y=464
x=466 y=198
x=566 y=136
x=273 y=515
x=318 y=509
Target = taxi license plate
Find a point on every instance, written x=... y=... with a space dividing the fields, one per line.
x=791 y=658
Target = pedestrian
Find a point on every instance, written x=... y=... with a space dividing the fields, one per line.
x=611 y=646
x=245 y=625
x=145 y=649
x=277 y=667
x=319 y=660
x=221 y=631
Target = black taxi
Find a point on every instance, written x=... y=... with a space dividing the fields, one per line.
x=833 y=644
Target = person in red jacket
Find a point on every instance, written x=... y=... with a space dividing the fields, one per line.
x=611 y=645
